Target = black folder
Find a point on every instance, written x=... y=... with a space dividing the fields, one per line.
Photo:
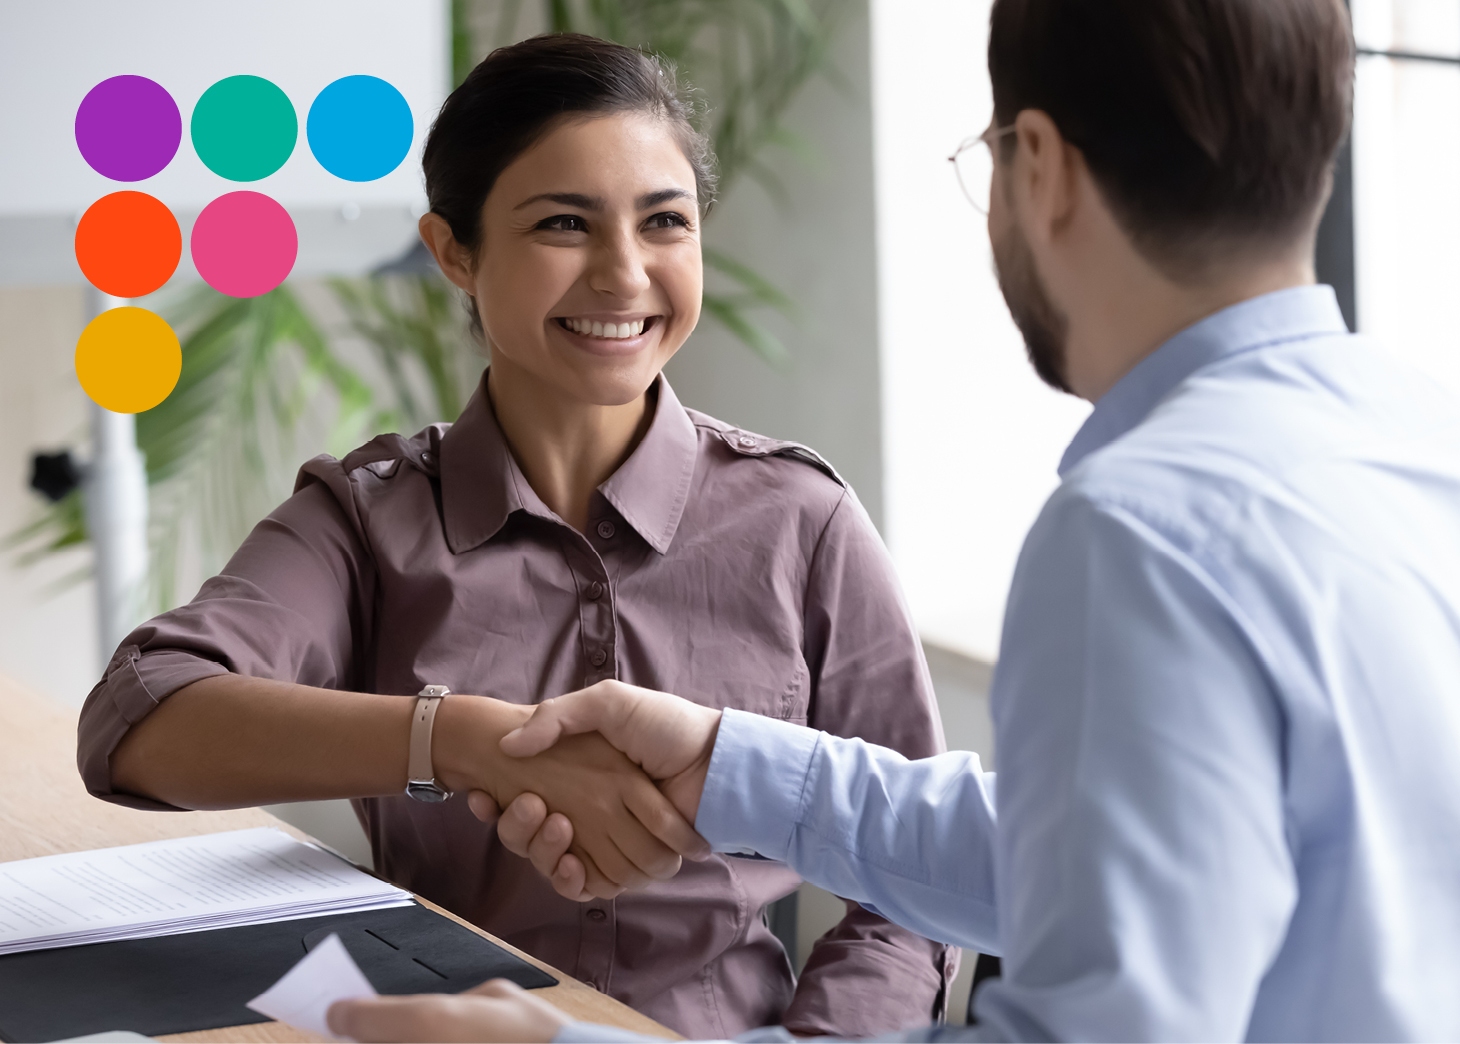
x=202 y=980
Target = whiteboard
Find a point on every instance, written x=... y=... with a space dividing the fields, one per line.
x=53 y=52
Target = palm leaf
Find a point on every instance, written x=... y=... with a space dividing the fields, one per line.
x=221 y=449
x=417 y=334
x=731 y=312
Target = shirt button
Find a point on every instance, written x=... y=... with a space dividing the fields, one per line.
x=595 y=591
x=597 y=915
x=596 y=657
x=605 y=529
x=747 y=442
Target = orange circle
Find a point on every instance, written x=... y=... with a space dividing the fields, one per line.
x=128 y=244
x=128 y=360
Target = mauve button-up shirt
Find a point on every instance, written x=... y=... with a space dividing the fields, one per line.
x=732 y=569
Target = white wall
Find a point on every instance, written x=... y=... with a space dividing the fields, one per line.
x=819 y=246
x=971 y=437
x=53 y=53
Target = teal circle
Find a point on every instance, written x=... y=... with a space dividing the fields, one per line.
x=244 y=128
x=360 y=128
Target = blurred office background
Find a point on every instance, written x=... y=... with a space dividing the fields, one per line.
x=855 y=307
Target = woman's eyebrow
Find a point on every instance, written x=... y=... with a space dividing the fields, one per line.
x=582 y=202
x=567 y=199
x=654 y=199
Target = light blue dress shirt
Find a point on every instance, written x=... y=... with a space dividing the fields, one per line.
x=1227 y=707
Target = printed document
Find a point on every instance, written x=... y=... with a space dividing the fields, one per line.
x=187 y=884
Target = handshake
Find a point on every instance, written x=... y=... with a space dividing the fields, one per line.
x=598 y=788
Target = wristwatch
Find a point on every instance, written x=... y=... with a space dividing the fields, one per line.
x=420 y=776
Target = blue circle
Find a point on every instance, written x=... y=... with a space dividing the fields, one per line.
x=360 y=128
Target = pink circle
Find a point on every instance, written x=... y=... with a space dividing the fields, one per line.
x=244 y=244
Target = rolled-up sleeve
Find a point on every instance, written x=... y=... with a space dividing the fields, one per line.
x=293 y=604
x=869 y=679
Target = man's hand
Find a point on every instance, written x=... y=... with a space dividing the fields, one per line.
x=496 y=1010
x=628 y=832
x=670 y=738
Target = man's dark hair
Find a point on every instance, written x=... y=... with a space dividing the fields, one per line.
x=1205 y=123
x=518 y=94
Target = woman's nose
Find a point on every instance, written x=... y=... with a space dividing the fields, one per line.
x=619 y=269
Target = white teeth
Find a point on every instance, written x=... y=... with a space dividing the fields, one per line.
x=599 y=329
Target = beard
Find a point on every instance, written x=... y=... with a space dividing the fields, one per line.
x=1043 y=325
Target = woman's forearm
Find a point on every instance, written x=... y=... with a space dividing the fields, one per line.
x=230 y=742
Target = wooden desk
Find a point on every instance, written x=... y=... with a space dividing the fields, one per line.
x=44 y=810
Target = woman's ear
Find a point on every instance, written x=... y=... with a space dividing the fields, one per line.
x=449 y=255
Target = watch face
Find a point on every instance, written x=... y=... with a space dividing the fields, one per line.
x=429 y=792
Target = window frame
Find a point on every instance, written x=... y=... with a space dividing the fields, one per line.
x=1335 y=253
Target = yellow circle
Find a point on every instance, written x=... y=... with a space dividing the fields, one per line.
x=128 y=360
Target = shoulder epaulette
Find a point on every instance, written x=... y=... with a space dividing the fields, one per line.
x=749 y=444
x=422 y=451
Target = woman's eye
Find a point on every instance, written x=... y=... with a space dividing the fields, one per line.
x=668 y=219
x=564 y=223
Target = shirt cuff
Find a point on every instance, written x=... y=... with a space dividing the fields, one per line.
x=134 y=684
x=593 y=1033
x=756 y=784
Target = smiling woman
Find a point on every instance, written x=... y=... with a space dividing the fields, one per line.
x=585 y=279
x=566 y=186
x=575 y=524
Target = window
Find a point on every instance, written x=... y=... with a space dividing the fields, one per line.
x=1405 y=168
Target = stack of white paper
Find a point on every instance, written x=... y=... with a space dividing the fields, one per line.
x=190 y=884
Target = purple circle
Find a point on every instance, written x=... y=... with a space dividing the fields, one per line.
x=128 y=128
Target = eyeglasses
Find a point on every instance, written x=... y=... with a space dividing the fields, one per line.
x=975 y=166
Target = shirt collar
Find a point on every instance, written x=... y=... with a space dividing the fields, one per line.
x=482 y=486
x=651 y=488
x=1294 y=314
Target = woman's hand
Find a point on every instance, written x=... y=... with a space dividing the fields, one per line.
x=496 y=1010
x=526 y=829
x=628 y=833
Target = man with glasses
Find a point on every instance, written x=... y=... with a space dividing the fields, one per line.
x=1227 y=702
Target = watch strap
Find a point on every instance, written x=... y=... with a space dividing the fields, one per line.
x=420 y=772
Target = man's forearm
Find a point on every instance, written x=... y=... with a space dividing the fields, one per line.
x=910 y=840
